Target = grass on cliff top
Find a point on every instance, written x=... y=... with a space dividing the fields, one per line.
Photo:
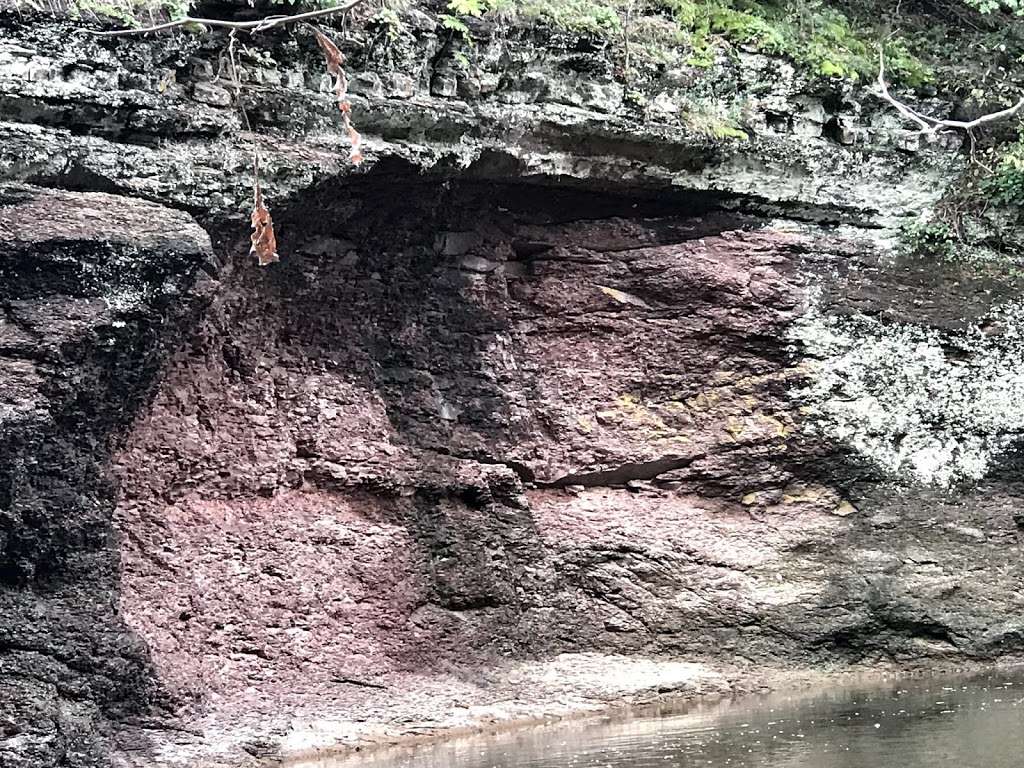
x=816 y=36
x=826 y=38
x=129 y=13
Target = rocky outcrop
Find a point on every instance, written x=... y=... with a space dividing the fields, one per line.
x=549 y=402
x=88 y=281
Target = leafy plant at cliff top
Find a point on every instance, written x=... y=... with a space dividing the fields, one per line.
x=388 y=21
x=458 y=11
x=1005 y=184
x=819 y=38
x=816 y=36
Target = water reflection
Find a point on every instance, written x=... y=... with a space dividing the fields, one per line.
x=967 y=722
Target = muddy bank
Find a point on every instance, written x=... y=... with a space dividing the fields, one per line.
x=580 y=688
x=822 y=717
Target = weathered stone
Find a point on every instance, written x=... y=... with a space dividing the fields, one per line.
x=420 y=21
x=477 y=264
x=213 y=95
x=534 y=85
x=456 y=243
x=444 y=428
x=489 y=82
x=846 y=134
x=469 y=87
x=84 y=350
x=600 y=97
x=911 y=142
x=845 y=509
x=399 y=86
x=665 y=105
x=444 y=85
x=367 y=84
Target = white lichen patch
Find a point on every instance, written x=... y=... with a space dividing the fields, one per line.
x=926 y=406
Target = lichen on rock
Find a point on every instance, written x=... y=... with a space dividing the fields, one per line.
x=924 y=405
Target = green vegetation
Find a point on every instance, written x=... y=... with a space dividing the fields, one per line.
x=822 y=37
x=599 y=18
x=128 y=12
x=974 y=247
x=1005 y=184
x=814 y=35
x=710 y=120
x=1016 y=7
x=933 y=238
x=388 y=21
x=455 y=19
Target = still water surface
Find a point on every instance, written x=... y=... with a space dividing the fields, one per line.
x=968 y=722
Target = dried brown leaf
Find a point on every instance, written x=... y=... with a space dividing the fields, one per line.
x=335 y=59
x=332 y=54
x=355 y=153
x=264 y=242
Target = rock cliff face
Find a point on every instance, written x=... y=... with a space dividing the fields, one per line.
x=548 y=402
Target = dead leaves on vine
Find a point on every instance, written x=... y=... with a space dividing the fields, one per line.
x=264 y=241
x=335 y=61
x=332 y=54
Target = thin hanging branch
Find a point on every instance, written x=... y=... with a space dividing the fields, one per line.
x=932 y=125
x=264 y=241
x=260 y=25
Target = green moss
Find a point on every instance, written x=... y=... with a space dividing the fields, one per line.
x=599 y=18
x=709 y=121
x=816 y=36
x=726 y=131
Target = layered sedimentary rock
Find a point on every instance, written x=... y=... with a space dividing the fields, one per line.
x=88 y=280
x=543 y=387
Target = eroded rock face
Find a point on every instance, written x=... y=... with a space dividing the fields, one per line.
x=380 y=359
x=547 y=396
x=80 y=343
x=521 y=421
x=936 y=405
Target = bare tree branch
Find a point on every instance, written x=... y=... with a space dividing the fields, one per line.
x=260 y=25
x=933 y=125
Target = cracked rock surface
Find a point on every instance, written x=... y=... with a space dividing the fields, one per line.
x=542 y=409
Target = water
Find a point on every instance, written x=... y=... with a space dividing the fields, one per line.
x=973 y=722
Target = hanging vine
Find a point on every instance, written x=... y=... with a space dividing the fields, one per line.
x=264 y=240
